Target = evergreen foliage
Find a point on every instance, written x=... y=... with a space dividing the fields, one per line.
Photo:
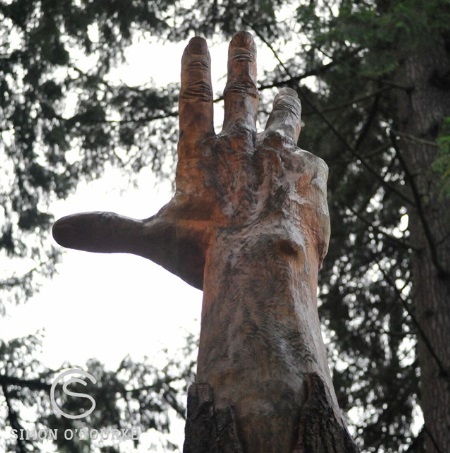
x=61 y=121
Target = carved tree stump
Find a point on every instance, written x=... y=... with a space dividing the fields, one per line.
x=249 y=225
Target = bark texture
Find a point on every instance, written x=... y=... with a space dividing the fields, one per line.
x=249 y=225
x=422 y=111
x=212 y=430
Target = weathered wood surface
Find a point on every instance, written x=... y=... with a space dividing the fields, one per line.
x=249 y=225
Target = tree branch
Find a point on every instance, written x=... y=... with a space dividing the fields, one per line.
x=379 y=230
x=367 y=156
x=417 y=140
x=13 y=420
x=14 y=280
x=391 y=84
x=353 y=101
x=351 y=149
x=421 y=332
x=292 y=78
x=419 y=207
x=369 y=120
x=32 y=384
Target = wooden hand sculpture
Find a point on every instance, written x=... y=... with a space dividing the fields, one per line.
x=249 y=225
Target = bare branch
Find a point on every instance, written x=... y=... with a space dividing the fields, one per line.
x=13 y=420
x=389 y=237
x=418 y=140
x=350 y=148
x=32 y=384
x=419 y=208
x=421 y=332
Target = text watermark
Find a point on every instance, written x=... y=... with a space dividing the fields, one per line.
x=112 y=434
x=72 y=380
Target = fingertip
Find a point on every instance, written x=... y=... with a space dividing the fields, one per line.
x=288 y=99
x=197 y=45
x=70 y=230
x=286 y=91
x=285 y=118
x=62 y=232
x=243 y=39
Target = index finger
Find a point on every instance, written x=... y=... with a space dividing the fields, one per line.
x=195 y=105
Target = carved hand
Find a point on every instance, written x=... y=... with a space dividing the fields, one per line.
x=235 y=179
x=249 y=225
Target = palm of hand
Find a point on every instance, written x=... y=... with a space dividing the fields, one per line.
x=236 y=179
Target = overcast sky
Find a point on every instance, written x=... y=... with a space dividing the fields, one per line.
x=107 y=306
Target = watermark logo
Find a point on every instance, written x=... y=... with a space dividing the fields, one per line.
x=72 y=380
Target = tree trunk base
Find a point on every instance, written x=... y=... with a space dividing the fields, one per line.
x=212 y=430
x=209 y=430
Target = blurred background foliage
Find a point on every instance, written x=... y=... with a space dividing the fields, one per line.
x=62 y=121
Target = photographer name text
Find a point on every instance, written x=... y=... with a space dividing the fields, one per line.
x=82 y=434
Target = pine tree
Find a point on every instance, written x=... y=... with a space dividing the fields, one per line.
x=381 y=111
x=373 y=78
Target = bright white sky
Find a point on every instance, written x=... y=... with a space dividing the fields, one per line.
x=108 y=306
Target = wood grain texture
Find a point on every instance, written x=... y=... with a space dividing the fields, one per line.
x=249 y=225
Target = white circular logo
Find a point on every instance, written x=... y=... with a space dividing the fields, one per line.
x=72 y=380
